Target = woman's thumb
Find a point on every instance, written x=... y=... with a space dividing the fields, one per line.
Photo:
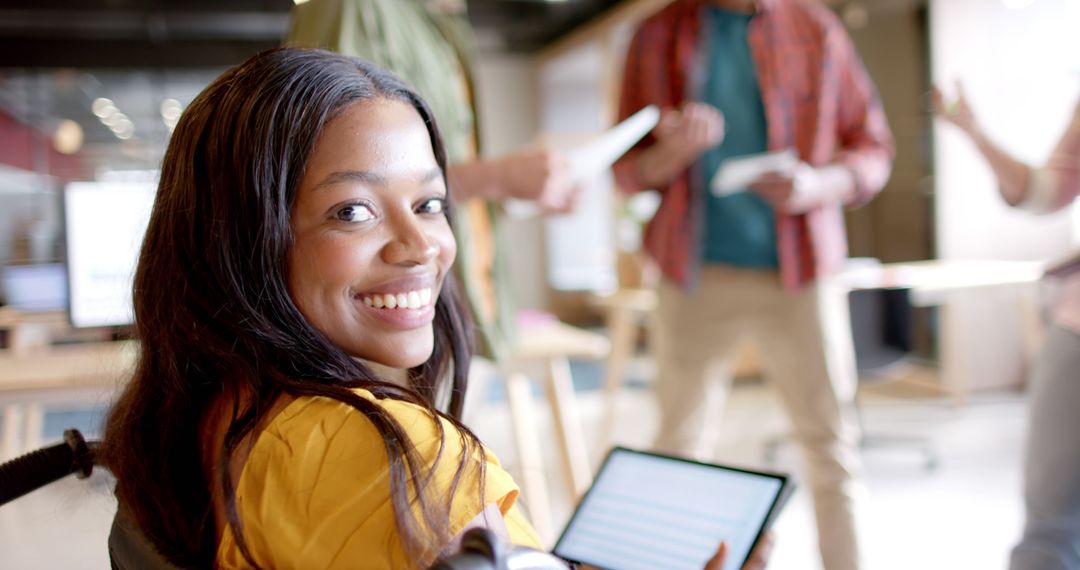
x=717 y=561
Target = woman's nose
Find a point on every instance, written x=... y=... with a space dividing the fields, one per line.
x=409 y=243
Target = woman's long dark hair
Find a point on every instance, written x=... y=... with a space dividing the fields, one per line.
x=214 y=317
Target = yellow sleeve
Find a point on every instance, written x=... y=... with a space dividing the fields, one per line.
x=315 y=490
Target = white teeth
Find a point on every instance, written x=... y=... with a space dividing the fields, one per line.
x=417 y=299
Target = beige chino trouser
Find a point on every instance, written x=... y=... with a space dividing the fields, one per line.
x=806 y=351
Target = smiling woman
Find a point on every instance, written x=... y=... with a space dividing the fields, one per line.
x=301 y=240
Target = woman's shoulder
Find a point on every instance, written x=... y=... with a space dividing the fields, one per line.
x=330 y=419
x=316 y=429
x=320 y=459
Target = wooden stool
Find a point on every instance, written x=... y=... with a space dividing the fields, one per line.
x=625 y=311
x=551 y=344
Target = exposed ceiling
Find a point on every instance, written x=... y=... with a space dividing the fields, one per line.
x=58 y=57
x=200 y=33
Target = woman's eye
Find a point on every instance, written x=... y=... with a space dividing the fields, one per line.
x=432 y=206
x=354 y=213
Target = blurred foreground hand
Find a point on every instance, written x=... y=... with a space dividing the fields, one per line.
x=759 y=557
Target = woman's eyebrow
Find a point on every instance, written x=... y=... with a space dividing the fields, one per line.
x=351 y=176
x=366 y=177
x=431 y=175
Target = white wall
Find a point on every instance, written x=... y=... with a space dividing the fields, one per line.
x=580 y=246
x=1021 y=71
x=506 y=98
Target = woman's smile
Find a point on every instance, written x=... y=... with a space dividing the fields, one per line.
x=402 y=303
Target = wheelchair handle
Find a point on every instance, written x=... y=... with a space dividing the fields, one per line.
x=482 y=550
x=38 y=468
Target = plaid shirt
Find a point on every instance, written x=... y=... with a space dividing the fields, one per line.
x=818 y=100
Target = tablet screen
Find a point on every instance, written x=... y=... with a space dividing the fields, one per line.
x=653 y=511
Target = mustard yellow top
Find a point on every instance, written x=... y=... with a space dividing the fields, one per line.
x=315 y=491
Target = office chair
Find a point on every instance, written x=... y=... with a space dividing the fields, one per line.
x=881 y=330
x=480 y=548
x=881 y=327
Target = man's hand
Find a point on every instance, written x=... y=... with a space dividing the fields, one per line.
x=792 y=192
x=681 y=136
x=805 y=187
x=691 y=130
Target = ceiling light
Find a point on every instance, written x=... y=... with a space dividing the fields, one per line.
x=114 y=119
x=102 y=107
x=171 y=109
x=68 y=138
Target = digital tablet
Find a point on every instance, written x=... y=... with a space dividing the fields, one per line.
x=648 y=511
x=738 y=172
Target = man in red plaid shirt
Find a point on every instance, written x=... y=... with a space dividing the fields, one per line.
x=737 y=78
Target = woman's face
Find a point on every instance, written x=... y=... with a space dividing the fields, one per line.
x=372 y=243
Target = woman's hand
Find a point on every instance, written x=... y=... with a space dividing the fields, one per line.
x=759 y=557
x=538 y=175
x=541 y=176
x=957 y=111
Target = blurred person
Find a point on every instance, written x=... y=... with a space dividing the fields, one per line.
x=429 y=44
x=1051 y=537
x=742 y=77
x=300 y=244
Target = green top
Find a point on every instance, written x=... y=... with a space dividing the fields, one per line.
x=432 y=51
x=739 y=228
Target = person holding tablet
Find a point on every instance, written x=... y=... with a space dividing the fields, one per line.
x=303 y=350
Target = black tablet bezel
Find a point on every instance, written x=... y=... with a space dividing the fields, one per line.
x=787 y=487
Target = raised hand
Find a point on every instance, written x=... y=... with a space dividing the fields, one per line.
x=957 y=111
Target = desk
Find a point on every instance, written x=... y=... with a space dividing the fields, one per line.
x=944 y=283
x=89 y=365
x=932 y=282
x=989 y=323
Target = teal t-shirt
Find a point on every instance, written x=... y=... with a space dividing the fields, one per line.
x=739 y=228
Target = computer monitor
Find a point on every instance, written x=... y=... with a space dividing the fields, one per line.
x=39 y=287
x=104 y=223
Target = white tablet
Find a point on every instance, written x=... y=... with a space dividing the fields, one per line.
x=650 y=511
x=738 y=172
